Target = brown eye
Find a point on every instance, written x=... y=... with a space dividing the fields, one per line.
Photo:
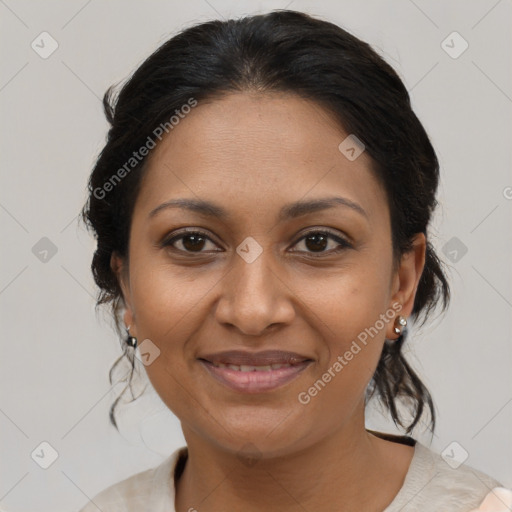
x=318 y=242
x=314 y=241
x=190 y=241
x=193 y=242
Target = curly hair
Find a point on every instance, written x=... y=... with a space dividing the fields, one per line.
x=291 y=52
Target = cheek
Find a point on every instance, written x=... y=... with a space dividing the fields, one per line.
x=166 y=297
x=337 y=388
x=353 y=327
x=170 y=304
x=354 y=301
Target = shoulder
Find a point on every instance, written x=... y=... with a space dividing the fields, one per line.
x=435 y=483
x=123 y=496
x=151 y=489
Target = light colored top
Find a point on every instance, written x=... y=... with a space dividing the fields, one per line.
x=430 y=485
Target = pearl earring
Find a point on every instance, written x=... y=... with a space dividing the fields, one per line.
x=131 y=341
x=400 y=323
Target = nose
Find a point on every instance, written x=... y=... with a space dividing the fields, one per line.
x=255 y=296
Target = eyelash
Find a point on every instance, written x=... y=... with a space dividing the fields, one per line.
x=343 y=243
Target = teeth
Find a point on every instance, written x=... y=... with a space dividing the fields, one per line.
x=249 y=368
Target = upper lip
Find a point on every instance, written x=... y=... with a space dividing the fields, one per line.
x=263 y=358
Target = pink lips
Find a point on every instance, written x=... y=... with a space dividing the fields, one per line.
x=254 y=372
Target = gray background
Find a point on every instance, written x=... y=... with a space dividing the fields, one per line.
x=55 y=351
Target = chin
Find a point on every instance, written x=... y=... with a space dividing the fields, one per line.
x=266 y=437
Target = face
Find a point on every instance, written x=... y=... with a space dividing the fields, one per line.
x=268 y=274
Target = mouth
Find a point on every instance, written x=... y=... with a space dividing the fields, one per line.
x=255 y=372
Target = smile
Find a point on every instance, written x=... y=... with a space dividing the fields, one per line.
x=254 y=379
x=249 y=368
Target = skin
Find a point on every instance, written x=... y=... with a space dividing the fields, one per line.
x=252 y=153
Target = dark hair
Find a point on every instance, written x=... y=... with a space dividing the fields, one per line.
x=291 y=52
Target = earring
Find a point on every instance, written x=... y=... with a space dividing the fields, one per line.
x=131 y=341
x=400 y=323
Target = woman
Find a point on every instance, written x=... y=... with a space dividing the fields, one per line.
x=261 y=210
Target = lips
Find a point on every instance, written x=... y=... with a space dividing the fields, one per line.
x=267 y=358
x=255 y=372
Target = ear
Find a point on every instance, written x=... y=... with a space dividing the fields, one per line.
x=406 y=280
x=120 y=269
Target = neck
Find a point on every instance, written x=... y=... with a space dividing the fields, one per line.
x=336 y=473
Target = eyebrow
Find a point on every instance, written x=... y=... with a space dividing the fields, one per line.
x=288 y=211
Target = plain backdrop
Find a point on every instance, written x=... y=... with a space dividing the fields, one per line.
x=56 y=352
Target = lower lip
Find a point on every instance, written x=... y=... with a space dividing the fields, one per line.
x=255 y=381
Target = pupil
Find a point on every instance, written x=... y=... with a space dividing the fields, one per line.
x=315 y=239
x=196 y=242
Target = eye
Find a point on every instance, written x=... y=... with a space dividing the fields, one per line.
x=191 y=241
x=317 y=241
x=194 y=241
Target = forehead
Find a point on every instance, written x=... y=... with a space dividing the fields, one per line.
x=255 y=152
